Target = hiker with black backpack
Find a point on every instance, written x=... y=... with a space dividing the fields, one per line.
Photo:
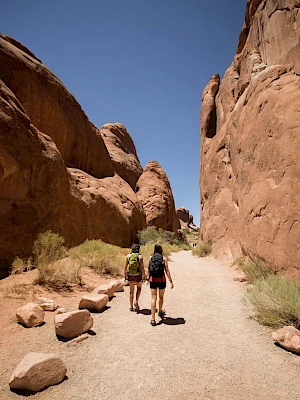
x=134 y=272
x=157 y=270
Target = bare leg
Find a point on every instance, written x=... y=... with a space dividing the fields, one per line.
x=131 y=293
x=161 y=299
x=153 y=303
x=138 y=290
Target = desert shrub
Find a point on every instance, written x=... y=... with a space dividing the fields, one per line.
x=19 y=266
x=256 y=269
x=60 y=275
x=103 y=258
x=48 y=248
x=276 y=301
x=149 y=234
x=202 y=250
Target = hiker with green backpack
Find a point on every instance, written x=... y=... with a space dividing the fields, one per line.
x=157 y=270
x=134 y=272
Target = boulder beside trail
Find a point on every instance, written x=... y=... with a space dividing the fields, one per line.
x=93 y=301
x=46 y=304
x=289 y=338
x=72 y=324
x=119 y=284
x=37 y=371
x=105 y=289
x=30 y=315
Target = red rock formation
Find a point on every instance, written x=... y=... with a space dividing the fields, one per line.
x=122 y=152
x=155 y=193
x=53 y=110
x=250 y=170
x=41 y=190
x=185 y=219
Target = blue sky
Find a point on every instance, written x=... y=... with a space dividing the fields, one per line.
x=139 y=62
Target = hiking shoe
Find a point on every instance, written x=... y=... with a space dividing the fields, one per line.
x=136 y=306
x=162 y=313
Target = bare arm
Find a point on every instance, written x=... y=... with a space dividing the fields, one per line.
x=142 y=267
x=168 y=272
x=126 y=267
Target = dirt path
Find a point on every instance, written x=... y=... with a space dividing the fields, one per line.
x=207 y=349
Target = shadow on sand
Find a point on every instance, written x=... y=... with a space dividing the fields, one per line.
x=171 y=321
x=28 y=393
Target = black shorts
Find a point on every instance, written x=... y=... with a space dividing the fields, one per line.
x=158 y=285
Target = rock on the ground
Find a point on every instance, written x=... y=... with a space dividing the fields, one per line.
x=37 y=371
x=93 y=302
x=30 y=315
x=289 y=338
x=240 y=278
x=105 y=289
x=122 y=152
x=46 y=304
x=250 y=143
x=62 y=310
x=118 y=284
x=154 y=192
x=72 y=324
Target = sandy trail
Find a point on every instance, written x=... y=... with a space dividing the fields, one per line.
x=208 y=348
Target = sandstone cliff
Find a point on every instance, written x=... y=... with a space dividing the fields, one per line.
x=185 y=219
x=122 y=152
x=55 y=169
x=154 y=192
x=250 y=143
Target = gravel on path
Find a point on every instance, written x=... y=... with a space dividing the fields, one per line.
x=206 y=348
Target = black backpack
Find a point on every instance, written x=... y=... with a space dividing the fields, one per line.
x=157 y=266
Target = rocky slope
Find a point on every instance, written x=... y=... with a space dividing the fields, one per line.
x=250 y=143
x=56 y=172
x=154 y=192
x=185 y=219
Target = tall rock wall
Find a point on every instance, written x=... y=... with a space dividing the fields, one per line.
x=55 y=169
x=154 y=192
x=250 y=142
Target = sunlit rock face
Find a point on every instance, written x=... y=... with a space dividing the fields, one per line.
x=250 y=142
x=155 y=194
x=56 y=171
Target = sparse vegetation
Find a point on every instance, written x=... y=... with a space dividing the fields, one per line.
x=103 y=258
x=48 y=248
x=255 y=269
x=60 y=275
x=19 y=265
x=202 y=250
x=169 y=241
x=276 y=301
x=19 y=291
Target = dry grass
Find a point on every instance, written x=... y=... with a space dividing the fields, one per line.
x=103 y=258
x=48 y=248
x=20 y=291
x=276 y=301
x=202 y=250
x=60 y=275
x=19 y=266
x=255 y=270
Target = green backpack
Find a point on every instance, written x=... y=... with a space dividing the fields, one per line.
x=133 y=264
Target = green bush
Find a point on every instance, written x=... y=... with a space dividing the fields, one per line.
x=276 y=301
x=48 y=248
x=202 y=250
x=255 y=270
x=19 y=266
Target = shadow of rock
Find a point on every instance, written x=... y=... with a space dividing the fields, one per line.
x=28 y=393
x=286 y=350
x=101 y=311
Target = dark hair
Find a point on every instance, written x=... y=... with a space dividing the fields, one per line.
x=158 y=249
x=135 y=248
